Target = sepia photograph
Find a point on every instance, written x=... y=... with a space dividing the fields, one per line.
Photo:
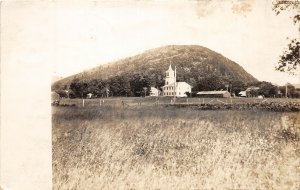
x=146 y=94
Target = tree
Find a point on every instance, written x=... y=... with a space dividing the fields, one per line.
x=62 y=93
x=95 y=86
x=137 y=83
x=290 y=59
x=79 y=88
x=267 y=89
x=119 y=86
x=210 y=82
x=188 y=94
x=291 y=91
x=288 y=90
x=237 y=86
x=252 y=93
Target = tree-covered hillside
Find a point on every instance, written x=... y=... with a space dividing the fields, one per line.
x=201 y=67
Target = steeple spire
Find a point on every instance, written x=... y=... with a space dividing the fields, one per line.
x=170 y=68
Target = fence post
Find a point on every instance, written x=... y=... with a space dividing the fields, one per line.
x=82 y=102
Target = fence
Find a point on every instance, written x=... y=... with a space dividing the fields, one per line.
x=125 y=102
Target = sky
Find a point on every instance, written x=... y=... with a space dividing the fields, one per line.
x=71 y=36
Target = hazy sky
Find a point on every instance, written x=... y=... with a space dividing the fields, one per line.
x=70 y=36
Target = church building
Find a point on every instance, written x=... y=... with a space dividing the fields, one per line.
x=173 y=88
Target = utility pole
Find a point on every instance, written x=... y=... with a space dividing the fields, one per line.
x=286 y=90
x=106 y=89
x=82 y=99
x=175 y=85
x=145 y=90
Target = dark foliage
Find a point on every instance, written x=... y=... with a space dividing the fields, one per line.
x=289 y=61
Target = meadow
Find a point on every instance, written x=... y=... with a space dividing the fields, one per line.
x=162 y=147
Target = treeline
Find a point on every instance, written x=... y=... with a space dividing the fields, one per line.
x=267 y=89
x=137 y=85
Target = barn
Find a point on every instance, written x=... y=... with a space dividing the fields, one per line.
x=214 y=94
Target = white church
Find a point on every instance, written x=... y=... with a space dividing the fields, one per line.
x=173 y=88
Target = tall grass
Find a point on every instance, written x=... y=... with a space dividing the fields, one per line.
x=167 y=148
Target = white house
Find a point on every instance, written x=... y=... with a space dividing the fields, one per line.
x=154 y=91
x=243 y=94
x=89 y=95
x=173 y=88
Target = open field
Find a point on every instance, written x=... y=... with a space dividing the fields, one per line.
x=148 y=147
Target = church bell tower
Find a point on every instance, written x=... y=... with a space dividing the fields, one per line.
x=170 y=76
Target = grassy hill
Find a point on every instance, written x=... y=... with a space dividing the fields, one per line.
x=195 y=65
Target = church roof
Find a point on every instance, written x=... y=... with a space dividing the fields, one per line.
x=170 y=68
x=178 y=84
x=153 y=88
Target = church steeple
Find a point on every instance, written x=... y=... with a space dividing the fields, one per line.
x=170 y=76
x=170 y=68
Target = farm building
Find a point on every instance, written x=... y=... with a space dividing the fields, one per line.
x=89 y=95
x=249 y=92
x=173 y=88
x=243 y=94
x=154 y=91
x=214 y=94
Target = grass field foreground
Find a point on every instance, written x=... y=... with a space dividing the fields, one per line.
x=166 y=148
